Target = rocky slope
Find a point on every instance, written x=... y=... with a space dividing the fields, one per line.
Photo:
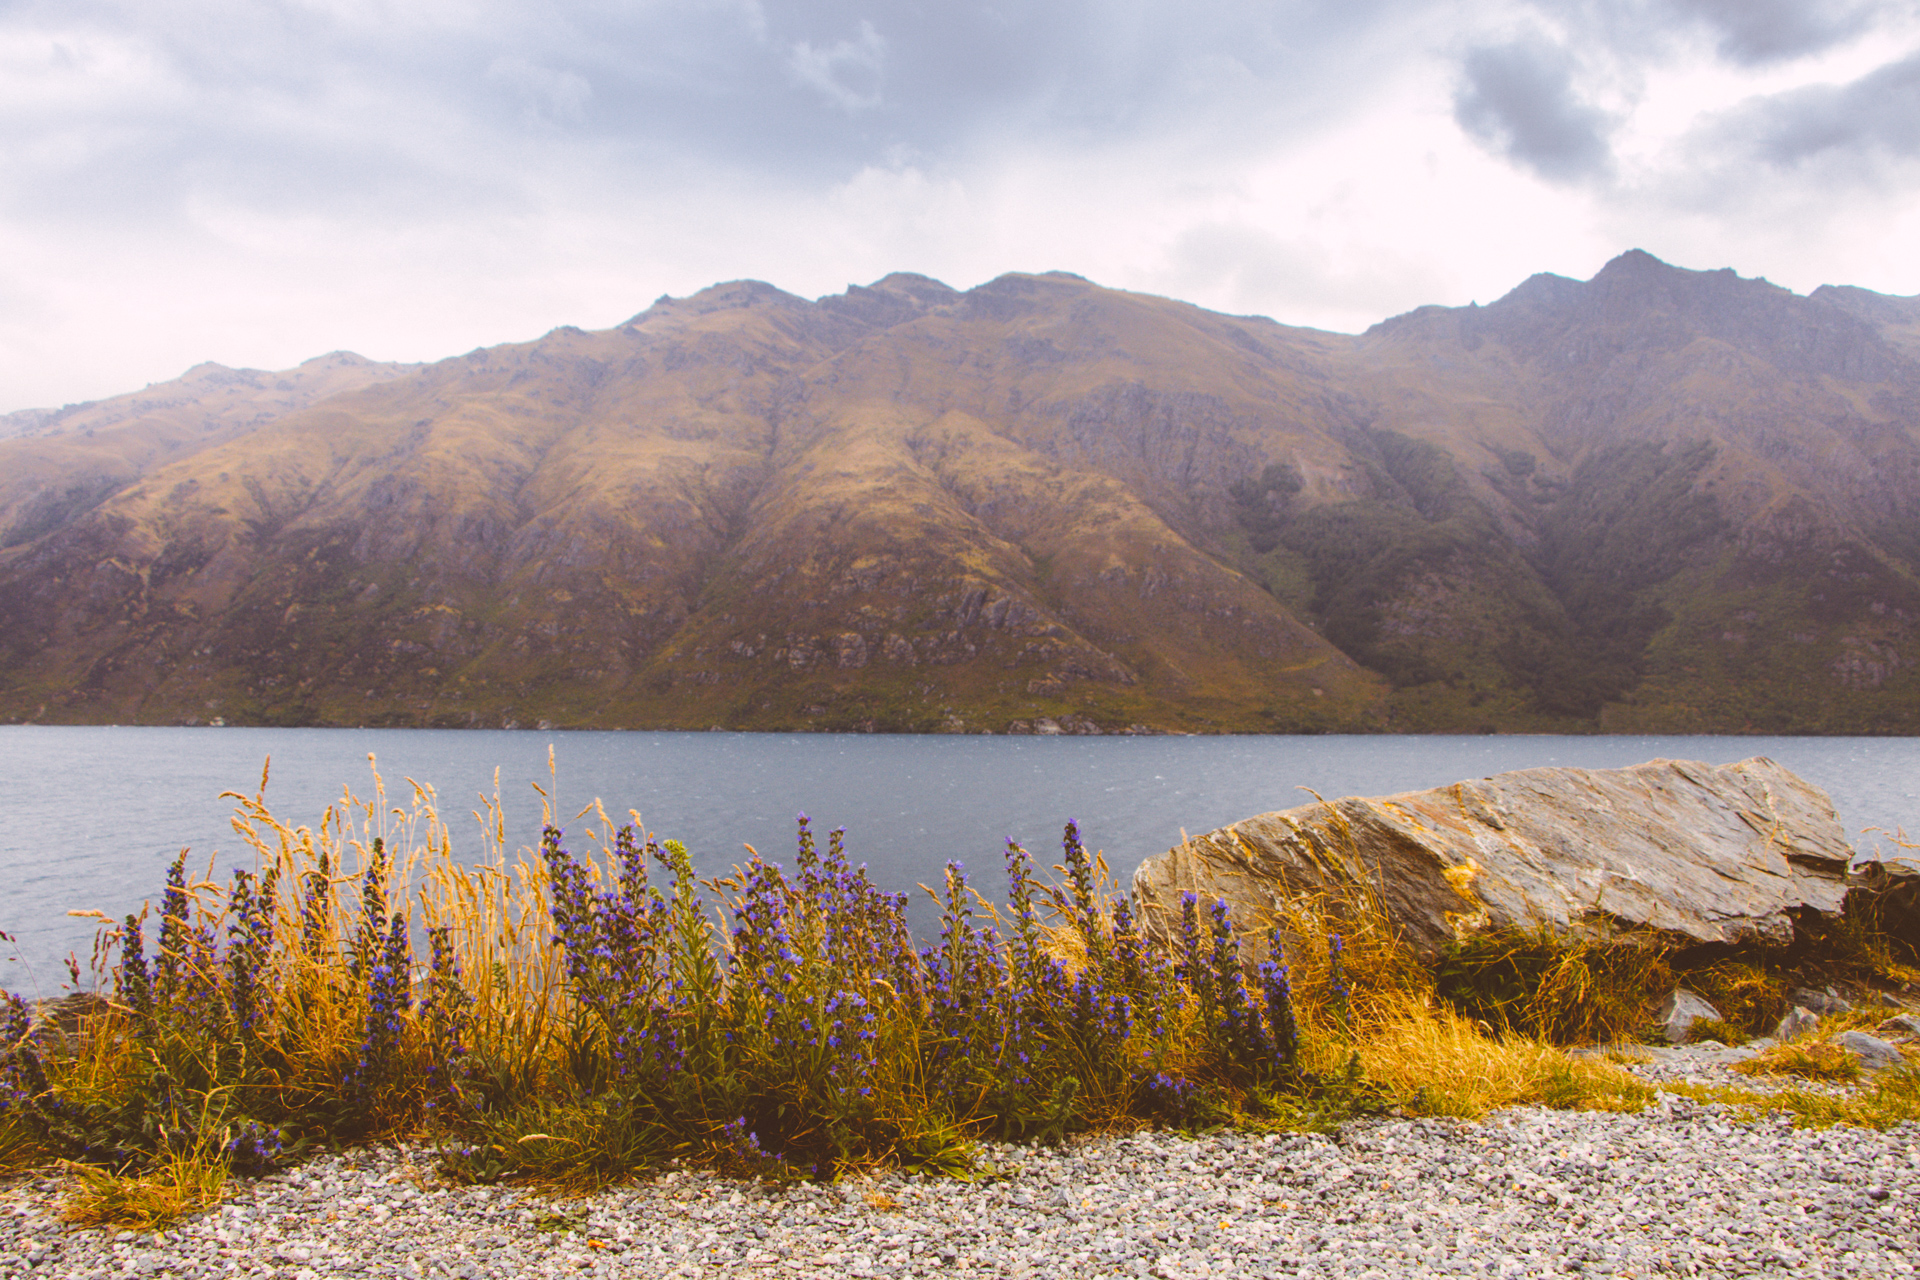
x=1659 y=499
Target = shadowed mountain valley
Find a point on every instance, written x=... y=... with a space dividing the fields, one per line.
x=1658 y=500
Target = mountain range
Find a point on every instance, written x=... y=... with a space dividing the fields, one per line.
x=1659 y=500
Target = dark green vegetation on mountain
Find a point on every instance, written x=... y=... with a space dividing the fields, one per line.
x=1659 y=500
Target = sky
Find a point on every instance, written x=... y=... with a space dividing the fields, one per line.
x=257 y=183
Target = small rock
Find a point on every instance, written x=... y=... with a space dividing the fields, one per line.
x=1875 y=1054
x=1888 y=1000
x=1905 y=1024
x=1679 y=1011
x=1820 y=1001
x=1798 y=1022
x=62 y=1016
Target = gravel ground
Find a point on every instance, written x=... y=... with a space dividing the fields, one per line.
x=1681 y=1189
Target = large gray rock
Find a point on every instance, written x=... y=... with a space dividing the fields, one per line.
x=1698 y=853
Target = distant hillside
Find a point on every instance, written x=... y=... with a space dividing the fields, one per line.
x=1658 y=500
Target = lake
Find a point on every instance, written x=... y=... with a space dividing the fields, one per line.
x=90 y=816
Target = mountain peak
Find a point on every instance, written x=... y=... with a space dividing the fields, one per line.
x=735 y=294
x=914 y=285
x=1543 y=288
x=1638 y=272
x=1638 y=302
x=890 y=300
x=730 y=295
x=1881 y=308
x=1635 y=262
x=207 y=369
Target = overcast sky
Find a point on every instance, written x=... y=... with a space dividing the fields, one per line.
x=261 y=182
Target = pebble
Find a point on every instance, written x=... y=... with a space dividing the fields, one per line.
x=1682 y=1188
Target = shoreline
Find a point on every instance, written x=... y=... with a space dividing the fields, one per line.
x=1682 y=1187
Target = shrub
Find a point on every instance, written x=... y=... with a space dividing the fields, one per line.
x=583 y=1014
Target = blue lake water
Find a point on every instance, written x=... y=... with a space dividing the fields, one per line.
x=90 y=816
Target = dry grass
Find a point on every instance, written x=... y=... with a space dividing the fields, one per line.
x=18 y=1149
x=1628 y=1057
x=1378 y=979
x=1893 y=1100
x=1717 y=1031
x=1750 y=997
x=152 y=1198
x=1447 y=1066
x=204 y=1089
x=1817 y=1060
x=1590 y=988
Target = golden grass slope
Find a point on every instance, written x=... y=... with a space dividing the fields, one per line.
x=55 y=464
x=725 y=511
x=1655 y=498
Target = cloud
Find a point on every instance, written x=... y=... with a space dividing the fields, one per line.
x=1519 y=99
x=1754 y=32
x=1789 y=157
x=254 y=182
x=1877 y=115
x=848 y=72
x=112 y=110
x=1748 y=34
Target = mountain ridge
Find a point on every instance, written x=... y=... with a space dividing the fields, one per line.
x=1657 y=499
